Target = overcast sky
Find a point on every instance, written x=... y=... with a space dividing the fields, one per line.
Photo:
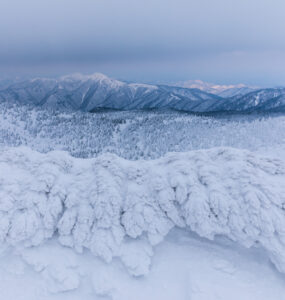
x=223 y=41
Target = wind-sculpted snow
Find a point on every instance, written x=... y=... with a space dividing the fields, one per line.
x=119 y=208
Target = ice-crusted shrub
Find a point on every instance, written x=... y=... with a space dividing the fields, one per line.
x=120 y=208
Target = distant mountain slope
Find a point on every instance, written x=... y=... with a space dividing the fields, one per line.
x=224 y=91
x=89 y=93
x=98 y=91
x=6 y=82
x=260 y=100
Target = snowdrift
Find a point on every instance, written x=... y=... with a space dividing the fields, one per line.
x=119 y=208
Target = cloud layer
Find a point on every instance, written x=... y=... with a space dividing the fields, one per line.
x=221 y=40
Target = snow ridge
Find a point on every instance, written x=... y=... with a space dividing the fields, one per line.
x=217 y=89
x=119 y=208
x=94 y=92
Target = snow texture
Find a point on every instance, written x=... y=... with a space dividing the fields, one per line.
x=119 y=208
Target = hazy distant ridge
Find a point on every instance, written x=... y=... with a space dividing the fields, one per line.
x=91 y=92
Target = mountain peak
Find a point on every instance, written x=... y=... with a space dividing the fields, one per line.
x=83 y=77
x=217 y=89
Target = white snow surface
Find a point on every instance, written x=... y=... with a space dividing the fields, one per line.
x=116 y=208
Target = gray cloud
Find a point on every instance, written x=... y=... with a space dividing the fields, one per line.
x=217 y=40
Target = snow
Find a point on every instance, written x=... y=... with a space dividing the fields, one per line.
x=136 y=86
x=82 y=77
x=183 y=267
x=70 y=92
x=220 y=90
x=117 y=208
x=141 y=222
x=134 y=135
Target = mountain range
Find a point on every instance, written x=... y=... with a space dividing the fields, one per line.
x=224 y=91
x=97 y=91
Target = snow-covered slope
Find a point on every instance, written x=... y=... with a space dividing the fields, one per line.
x=184 y=267
x=120 y=208
x=265 y=100
x=5 y=83
x=260 y=100
x=136 y=134
x=98 y=91
x=225 y=91
x=238 y=90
